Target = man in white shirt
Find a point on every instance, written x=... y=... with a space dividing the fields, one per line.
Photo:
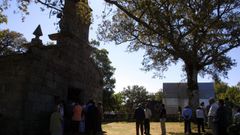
x=212 y=114
x=148 y=115
x=200 y=118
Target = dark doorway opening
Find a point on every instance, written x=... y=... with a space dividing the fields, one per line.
x=74 y=94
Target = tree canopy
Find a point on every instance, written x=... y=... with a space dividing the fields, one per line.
x=220 y=89
x=100 y=57
x=233 y=94
x=134 y=95
x=223 y=91
x=199 y=33
x=55 y=7
x=11 y=42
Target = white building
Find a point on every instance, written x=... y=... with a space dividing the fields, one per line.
x=175 y=95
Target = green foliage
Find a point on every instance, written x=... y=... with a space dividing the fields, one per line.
x=155 y=96
x=158 y=95
x=11 y=42
x=54 y=6
x=133 y=96
x=100 y=57
x=84 y=11
x=238 y=85
x=220 y=89
x=224 y=91
x=233 y=94
x=22 y=6
x=118 y=102
x=126 y=100
x=3 y=18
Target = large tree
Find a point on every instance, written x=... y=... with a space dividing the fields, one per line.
x=100 y=57
x=198 y=33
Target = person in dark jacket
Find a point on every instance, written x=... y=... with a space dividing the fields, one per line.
x=99 y=117
x=91 y=118
x=148 y=114
x=163 y=118
x=139 y=116
x=221 y=118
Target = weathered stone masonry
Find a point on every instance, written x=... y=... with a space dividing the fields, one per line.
x=31 y=82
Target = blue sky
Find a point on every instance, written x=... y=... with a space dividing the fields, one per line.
x=127 y=64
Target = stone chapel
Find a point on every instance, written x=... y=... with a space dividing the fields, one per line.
x=30 y=83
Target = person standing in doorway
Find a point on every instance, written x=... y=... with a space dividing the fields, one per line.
x=148 y=114
x=187 y=115
x=61 y=108
x=163 y=118
x=139 y=116
x=76 y=118
x=56 y=122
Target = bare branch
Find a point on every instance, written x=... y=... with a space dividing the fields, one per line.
x=132 y=16
x=49 y=6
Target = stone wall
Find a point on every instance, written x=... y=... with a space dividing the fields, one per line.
x=30 y=83
x=12 y=78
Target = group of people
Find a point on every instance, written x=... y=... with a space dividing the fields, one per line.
x=217 y=115
x=143 y=115
x=77 y=119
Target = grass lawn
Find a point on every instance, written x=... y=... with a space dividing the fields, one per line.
x=128 y=128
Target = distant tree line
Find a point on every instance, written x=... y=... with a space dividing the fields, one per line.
x=126 y=100
x=223 y=91
x=131 y=96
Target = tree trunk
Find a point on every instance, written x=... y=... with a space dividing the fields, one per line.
x=192 y=83
x=73 y=22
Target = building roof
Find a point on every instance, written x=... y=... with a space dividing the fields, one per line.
x=179 y=90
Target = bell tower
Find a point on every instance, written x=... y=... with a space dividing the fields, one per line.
x=76 y=20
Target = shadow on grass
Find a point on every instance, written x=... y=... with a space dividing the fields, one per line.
x=171 y=133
